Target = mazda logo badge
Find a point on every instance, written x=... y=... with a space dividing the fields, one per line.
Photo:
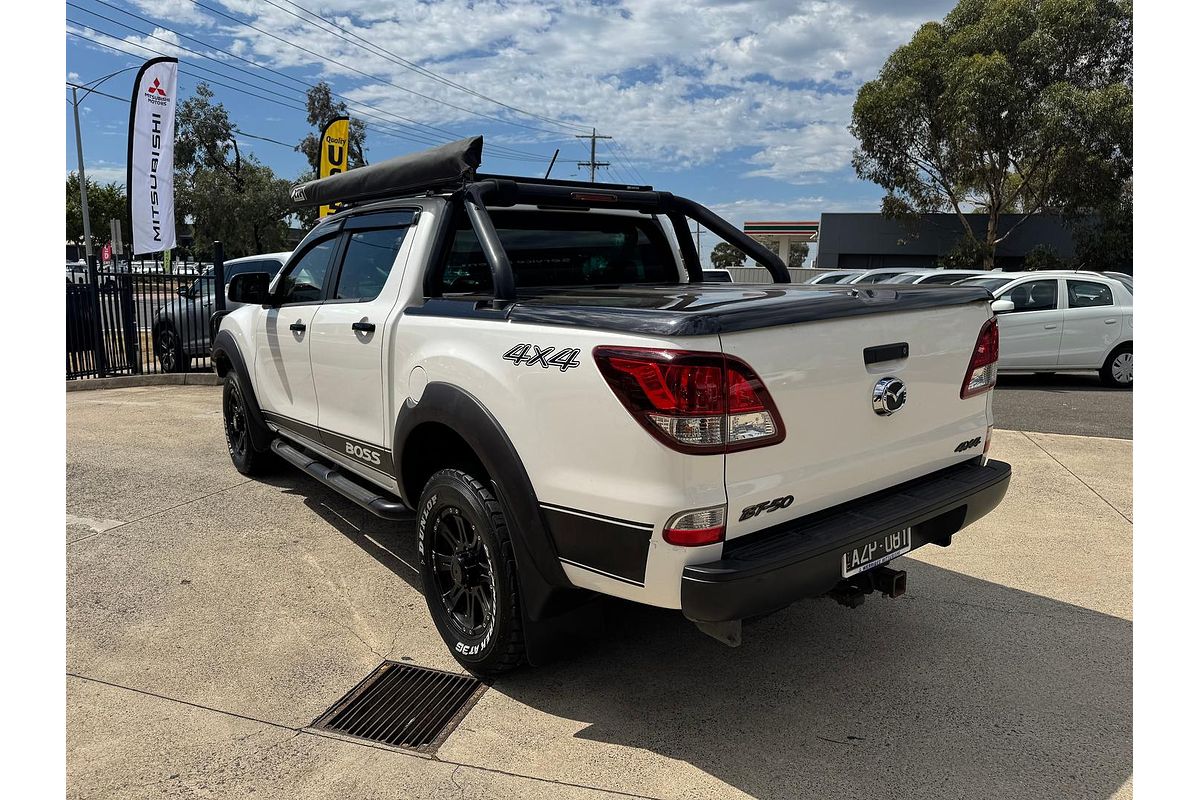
x=889 y=396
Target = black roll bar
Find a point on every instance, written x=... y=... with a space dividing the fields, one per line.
x=773 y=263
x=503 y=285
x=508 y=192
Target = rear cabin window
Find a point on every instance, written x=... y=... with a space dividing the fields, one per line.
x=562 y=249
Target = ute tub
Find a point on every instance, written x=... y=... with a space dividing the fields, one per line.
x=770 y=569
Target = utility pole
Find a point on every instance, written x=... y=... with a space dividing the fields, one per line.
x=87 y=223
x=593 y=163
x=697 y=237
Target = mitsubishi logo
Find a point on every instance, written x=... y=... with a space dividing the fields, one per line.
x=156 y=88
x=888 y=396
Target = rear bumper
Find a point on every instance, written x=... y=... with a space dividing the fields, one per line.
x=770 y=569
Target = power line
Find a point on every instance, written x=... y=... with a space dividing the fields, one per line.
x=411 y=65
x=410 y=122
x=238 y=131
x=343 y=65
x=426 y=138
x=628 y=162
x=384 y=131
x=592 y=162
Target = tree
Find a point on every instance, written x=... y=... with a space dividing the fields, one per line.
x=1104 y=241
x=1006 y=106
x=229 y=197
x=321 y=111
x=1044 y=257
x=725 y=255
x=106 y=201
x=797 y=252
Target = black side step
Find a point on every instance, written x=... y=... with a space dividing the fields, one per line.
x=370 y=499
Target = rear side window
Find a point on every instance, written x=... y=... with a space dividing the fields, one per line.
x=368 y=262
x=1086 y=294
x=1033 y=295
x=563 y=249
x=306 y=277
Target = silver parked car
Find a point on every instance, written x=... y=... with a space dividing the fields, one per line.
x=180 y=328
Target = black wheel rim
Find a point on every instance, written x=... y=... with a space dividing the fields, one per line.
x=235 y=422
x=166 y=349
x=462 y=574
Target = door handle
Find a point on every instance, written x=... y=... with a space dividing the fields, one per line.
x=1110 y=322
x=298 y=327
x=1051 y=327
x=365 y=327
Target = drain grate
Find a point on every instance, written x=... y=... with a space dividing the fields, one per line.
x=403 y=706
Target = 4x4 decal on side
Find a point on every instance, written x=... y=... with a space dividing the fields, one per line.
x=544 y=357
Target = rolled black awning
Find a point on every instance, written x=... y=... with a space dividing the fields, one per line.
x=440 y=167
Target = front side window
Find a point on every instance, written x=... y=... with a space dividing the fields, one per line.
x=547 y=248
x=1086 y=294
x=368 y=262
x=1040 y=295
x=305 y=278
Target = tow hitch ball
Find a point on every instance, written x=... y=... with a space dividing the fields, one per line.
x=885 y=580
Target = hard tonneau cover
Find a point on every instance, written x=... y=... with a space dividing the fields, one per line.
x=691 y=310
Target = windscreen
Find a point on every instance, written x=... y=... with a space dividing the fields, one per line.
x=909 y=278
x=555 y=248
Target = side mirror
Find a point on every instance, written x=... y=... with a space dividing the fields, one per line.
x=1003 y=306
x=184 y=291
x=250 y=288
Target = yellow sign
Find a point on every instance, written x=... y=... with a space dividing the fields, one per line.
x=335 y=151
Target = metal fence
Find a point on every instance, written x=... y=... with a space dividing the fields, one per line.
x=130 y=319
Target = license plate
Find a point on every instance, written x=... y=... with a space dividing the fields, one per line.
x=880 y=550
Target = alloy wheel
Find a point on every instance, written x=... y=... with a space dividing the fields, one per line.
x=462 y=574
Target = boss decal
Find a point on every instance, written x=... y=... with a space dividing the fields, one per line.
x=532 y=355
x=362 y=453
x=967 y=445
x=750 y=512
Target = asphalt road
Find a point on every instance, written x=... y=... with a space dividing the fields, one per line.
x=1071 y=403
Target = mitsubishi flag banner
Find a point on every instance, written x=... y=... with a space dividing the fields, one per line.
x=335 y=149
x=151 y=171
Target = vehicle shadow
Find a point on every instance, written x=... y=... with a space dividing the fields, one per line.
x=962 y=688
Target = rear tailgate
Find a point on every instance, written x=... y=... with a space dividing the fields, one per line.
x=837 y=448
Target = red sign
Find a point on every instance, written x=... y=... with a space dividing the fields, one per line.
x=106 y=252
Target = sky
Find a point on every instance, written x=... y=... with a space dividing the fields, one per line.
x=743 y=106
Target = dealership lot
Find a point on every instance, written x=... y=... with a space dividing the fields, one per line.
x=211 y=619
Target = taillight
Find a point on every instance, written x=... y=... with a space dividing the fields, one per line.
x=695 y=528
x=981 y=372
x=694 y=402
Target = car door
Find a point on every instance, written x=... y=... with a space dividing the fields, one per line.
x=282 y=372
x=1091 y=324
x=1030 y=333
x=348 y=334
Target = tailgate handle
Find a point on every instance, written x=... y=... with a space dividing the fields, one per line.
x=885 y=352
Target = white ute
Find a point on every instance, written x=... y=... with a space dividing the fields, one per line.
x=538 y=372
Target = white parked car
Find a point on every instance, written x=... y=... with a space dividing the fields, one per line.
x=835 y=276
x=884 y=275
x=935 y=277
x=1063 y=322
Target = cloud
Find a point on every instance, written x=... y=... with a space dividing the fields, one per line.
x=681 y=83
x=184 y=11
x=103 y=172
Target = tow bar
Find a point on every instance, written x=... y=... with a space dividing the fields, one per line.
x=852 y=592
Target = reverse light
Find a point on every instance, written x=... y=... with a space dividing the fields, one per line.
x=695 y=528
x=694 y=402
x=981 y=372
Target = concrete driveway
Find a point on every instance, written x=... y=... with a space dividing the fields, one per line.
x=211 y=619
